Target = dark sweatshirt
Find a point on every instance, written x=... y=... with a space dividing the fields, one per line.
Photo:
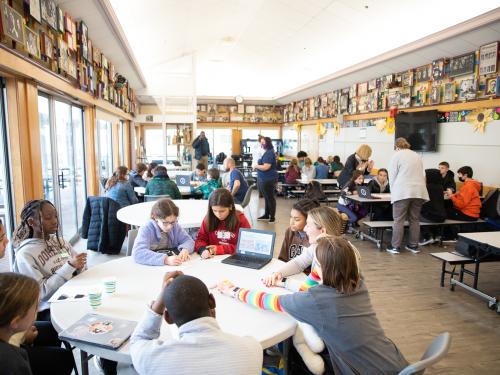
x=376 y=187
x=448 y=181
x=434 y=210
x=13 y=360
x=293 y=244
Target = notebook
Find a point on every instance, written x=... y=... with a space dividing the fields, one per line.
x=254 y=249
x=100 y=330
x=182 y=180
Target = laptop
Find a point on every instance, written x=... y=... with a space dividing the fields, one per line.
x=365 y=192
x=182 y=180
x=254 y=249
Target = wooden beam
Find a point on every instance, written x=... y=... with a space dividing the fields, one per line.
x=116 y=144
x=238 y=125
x=127 y=145
x=91 y=167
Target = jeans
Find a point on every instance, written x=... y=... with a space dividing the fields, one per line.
x=402 y=210
x=267 y=189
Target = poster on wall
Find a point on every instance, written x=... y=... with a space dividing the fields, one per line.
x=488 y=57
x=461 y=65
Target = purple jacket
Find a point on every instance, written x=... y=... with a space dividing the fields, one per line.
x=150 y=234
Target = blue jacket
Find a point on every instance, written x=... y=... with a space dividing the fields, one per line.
x=201 y=148
x=136 y=179
x=123 y=193
x=322 y=171
x=150 y=234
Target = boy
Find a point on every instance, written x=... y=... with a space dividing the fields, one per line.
x=202 y=347
x=199 y=175
x=447 y=177
x=211 y=183
x=466 y=202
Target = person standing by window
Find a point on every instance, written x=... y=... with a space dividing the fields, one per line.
x=201 y=149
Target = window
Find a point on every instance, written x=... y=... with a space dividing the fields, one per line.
x=290 y=141
x=105 y=148
x=220 y=140
x=153 y=143
x=121 y=141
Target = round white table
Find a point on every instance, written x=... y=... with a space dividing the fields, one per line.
x=137 y=285
x=191 y=212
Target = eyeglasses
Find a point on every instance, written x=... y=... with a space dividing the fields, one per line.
x=166 y=223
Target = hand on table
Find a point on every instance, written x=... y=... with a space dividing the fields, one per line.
x=78 y=261
x=226 y=287
x=30 y=335
x=173 y=260
x=273 y=279
x=184 y=255
x=209 y=252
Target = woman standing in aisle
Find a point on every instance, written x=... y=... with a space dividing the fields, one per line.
x=360 y=161
x=267 y=176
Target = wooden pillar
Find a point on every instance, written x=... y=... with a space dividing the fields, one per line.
x=115 y=133
x=127 y=147
x=91 y=151
x=236 y=138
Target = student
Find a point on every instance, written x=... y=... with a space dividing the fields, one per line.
x=339 y=309
x=353 y=210
x=119 y=189
x=321 y=168
x=149 y=173
x=308 y=171
x=447 y=177
x=210 y=185
x=314 y=190
x=42 y=254
x=160 y=184
x=380 y=184
x=295 y=237
x=301 y=156
x=186 y=302
x=279 y=167
x=162 y=241
x=238 y=185
x=18 y=307
x=219 y=230
x=466 y=202
x=320 y=221
x=199 y=175
x=135 y=176
x=292 y=173
x=434 y=209
x=336 y=166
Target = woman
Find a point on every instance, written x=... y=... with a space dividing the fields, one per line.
x=360 y=161
x=292 y=173
x=308 y=171
x=408 y=194
x=267 y=176
x=119 y=189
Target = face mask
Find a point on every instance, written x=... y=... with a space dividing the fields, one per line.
x=461 y=179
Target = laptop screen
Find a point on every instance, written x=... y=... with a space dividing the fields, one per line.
x=256 y=242
x=182 y=180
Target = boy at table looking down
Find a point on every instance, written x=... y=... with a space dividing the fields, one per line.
x=219 y=230
x=198 y=176
x=162 y=241
x=185 y=301
x=340 y=310
x=211 y=184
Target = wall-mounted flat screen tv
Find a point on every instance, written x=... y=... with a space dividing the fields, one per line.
x=419 y=128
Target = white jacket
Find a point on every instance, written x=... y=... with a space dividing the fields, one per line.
x=406 y=173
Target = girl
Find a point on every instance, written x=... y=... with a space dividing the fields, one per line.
x=295 y=238
x=336 y=166
x=308 y=170
x=161 y=184
x=380 y=184
x=321 y=168
x=320 y=221
x=149 y=172
x=353 y=210
x=42 y=254
x=219 y=230
x=314 y=190
x=119 y=189
x=339 y=309
x=18 y=307
x=292 y=173
x=162 y=241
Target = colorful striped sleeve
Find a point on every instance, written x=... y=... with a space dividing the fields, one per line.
x=311 y=280
x=259 y=299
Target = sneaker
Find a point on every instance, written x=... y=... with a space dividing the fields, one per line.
x=272 y=220
x=392 y=250
x=412 y=248
x=263 y=218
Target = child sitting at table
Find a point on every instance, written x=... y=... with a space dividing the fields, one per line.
x=339 y=309
x=380 y=185
x=353 y=210
x=162 y=241
x=161 y=184
x=220 y=228
x=295 y=237
x=210 y=185
x=314 y=191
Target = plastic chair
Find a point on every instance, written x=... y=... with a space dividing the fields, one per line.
x=132 y=234
x=152 y=198
x=434 y=353
x=246 y=200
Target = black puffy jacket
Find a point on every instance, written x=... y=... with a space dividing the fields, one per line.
x=434 y=210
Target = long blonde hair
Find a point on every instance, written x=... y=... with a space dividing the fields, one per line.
x=327 y=218
x=364 y=152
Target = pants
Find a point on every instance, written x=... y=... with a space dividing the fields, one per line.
x=203 y=160
x=354 y=212
x=402 y=210
x=454 y=214
x=267 y=189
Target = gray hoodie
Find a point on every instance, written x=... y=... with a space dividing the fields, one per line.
x=47 y=263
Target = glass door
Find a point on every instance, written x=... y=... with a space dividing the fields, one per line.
x=6 y=206
x=105 y=149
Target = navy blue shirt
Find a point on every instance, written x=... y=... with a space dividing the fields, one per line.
x=271 y=174
x=236 y=175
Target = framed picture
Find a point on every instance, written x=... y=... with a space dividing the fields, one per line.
x=461 y=65
x=47 y=46
x=63 y=55
x=372 y=102
x=423 y=73
x=372 y=84
x=387 y=81
x=12 y=23
x=488 y=58
x=344 y=100
x=89 y=50
x=353 y=105
x=435 y=94
x=96 y=52
x=32 y=42
x=405 y=97
x=467 y=89
x=421 y=94
x=407 y=78
x=67 y=23
x=438 y=69
x=492 y=86
x=84 y=37
x=49 y=13
x=73 y=36
x=394 y=98
x=250 y=109
x=60 y=19
x=353 y=91
x=35 y=10
x=362 y=89
x=449 y=92
x=241 y=108
x=104 y=61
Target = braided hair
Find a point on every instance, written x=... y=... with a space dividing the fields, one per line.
x=32 y=209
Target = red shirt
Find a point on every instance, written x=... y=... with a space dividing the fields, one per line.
x=224 y=240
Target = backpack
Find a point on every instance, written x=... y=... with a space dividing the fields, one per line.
x=490 y=205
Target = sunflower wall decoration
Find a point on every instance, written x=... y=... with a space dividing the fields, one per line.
x=479 y=118
x=380 y=124
x=320 y=129
x=336 y=127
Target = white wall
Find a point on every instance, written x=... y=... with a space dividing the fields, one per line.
x=458 y=144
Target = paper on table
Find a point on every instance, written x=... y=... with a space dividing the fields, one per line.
x=69 y=295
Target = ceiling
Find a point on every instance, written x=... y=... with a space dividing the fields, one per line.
x=275 y=50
